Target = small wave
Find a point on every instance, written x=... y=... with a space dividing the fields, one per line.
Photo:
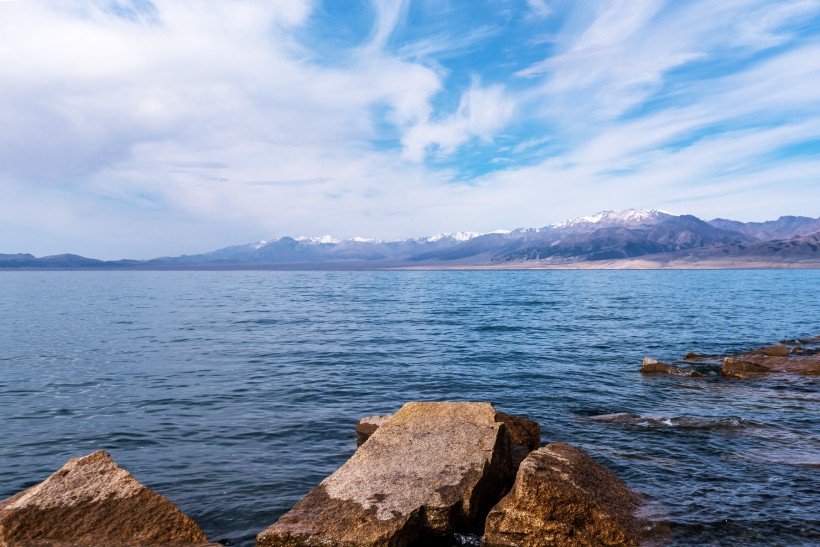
x=498 y=328
x=681 y=422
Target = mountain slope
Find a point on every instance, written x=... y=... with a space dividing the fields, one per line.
x=783 y=228
x=669 y=234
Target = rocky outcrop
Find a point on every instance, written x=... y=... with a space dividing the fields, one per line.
x=92 y=501
x=651 y=366
x=754 y=365
x=430 y=470
x=562 y=497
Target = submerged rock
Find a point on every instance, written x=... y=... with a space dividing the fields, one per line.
x=650 y=366
x=92 y=501
x=755 y=365
x=431 y=469
x=692 y=355
x=562 y=497
x=772 y=351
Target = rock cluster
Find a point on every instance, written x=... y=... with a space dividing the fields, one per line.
x=91 y=501
x=422 y=475
x=436 y=469
x=803 y=357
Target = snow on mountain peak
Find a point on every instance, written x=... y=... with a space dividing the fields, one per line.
x=625 y=217
x=458 y=236
x=318 y=240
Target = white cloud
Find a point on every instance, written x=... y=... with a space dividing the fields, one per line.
x=480 y=114
x=539 y=8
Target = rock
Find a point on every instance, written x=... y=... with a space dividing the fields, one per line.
x=92 y=501
x=742 y=368
x=521 y=430
x=562 y=497
x=525 y=434
x=693 y=355
x=430 y=470
x=367 y=426
x=773 y=351
x=755 y=365
x=651 y=366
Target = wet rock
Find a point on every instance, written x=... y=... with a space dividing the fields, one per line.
x=692 y=355
x=367 y=426
x=562 y=497
x=682 y=422
x=92 y=501
x=431 y=469
x=773 y=351
x=755 y=365
x=652 y=366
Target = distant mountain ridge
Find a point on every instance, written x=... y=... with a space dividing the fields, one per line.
x=604 y=236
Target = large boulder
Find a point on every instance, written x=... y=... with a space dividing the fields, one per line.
x=754 y=365
x=562 y=497
x=430 y=470
x=92 y=501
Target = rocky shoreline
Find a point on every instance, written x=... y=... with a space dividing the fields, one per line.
x=423 y=476
x=429 y=474
x=801 y=356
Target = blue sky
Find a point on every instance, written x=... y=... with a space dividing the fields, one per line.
x=137 y=128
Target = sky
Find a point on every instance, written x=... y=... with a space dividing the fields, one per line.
x=145 y=128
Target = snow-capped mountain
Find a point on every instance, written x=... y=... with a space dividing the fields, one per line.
x=603 y=236
x=626 y=217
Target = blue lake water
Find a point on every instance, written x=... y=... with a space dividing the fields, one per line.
x=234 y=393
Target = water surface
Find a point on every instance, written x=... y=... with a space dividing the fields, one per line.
x=234 y=393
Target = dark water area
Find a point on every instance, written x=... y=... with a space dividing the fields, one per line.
x=235 y=393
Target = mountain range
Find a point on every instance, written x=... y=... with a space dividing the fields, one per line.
x=607 y=239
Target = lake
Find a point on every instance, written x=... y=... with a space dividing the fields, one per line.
x=235 y=393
